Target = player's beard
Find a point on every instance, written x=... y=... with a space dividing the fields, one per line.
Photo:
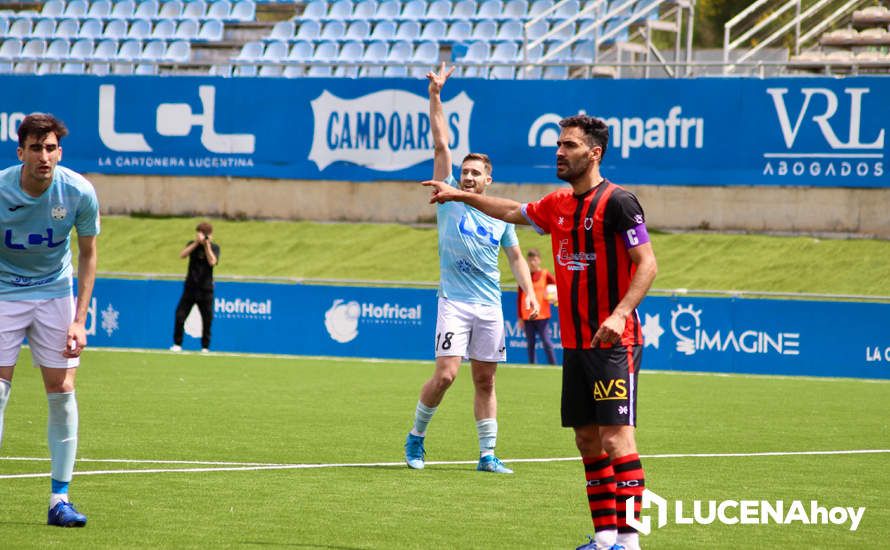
x=573 y=170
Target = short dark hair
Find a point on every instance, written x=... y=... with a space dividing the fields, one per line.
x=39 y=125
x=533 y=253
x=595 y=129
x=205 y=228
x=479 y=156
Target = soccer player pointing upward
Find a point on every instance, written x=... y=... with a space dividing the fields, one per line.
x=604 y=266
x=470 y=320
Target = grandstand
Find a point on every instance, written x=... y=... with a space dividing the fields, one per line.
x=494 y=39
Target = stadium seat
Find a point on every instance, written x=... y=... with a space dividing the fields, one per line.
x=146 y=69
x=302 y=50
x=243 y=10
x=333 y=30
x=439 y=10
x=484 y=30
x=57 y=49
x=464 y=10
x=99 y=69
x=375 y=52
x=350 y=56
x=20 y=28
x=341 y=10
x=434 y=30
x=219 y=9
x=515 y=9
x=221 y=69
x=502 y=72
x=399 y=54
x=315 y=10
x=164 y=29
x=490 y=9
x=81 y=49
x=582 y=51
x=566 y=10
x=4 y=26
x=116 y=28
x=74 y=67
x=562 y=34
x=44 y=28
x=76 y=8
x=33 y=50
x=555 y=72
x=283 y=30
x=325 y=52
x=414 y=9
x=154 y=50
x=309 y=30
x=10 y=49
x=459 y=30
x=474 y=71
x=510 y=30
x=139 y=30
x=106 y=50
x=427 y=56
x=147 y=10
x=388 y=10
x=187 y=29
x=408 y=30
x=358 y=30
x=537 y=29
x=124 y=9
x=100 y=9
x=477 y=52
x=196 y=9
x=211 y=31
x=251 y=51
x=267 y=70
x=384 y=30
x=53 y=9
x=90 y=28
x=171 y=9
x=67 y=28
x=505 y=52
x=538 y=7
x=275 y=51
x=364 y=10
x=179 y=51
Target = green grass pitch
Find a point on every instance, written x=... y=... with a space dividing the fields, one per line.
x=184 y=448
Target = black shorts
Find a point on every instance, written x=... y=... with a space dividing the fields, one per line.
x=599 y=386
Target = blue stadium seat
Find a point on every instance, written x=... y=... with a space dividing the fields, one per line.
x=302 y=50
x=115 y=28
x=316 y=9
x=81 y=49
x=211 y=31
x=146 y=69
x=219 y=9
x=154 y=50
x=515 y=9
x=76 y=8
x=20 y=28
x=358 y=30
x=537 y=29
x=164 y=29
x=267 y=70
x=582 y=51
x=251 y=51
x=388 y=10
x=427 y=54
x=53 y=8
x=505 y=52
x=474 y=71
x=414 y=9
x=147 y=9
x=564 y=33
x=10 y=49
x=375 y=52
x=502 y=72
x=350 y=56
x=106 y=50
x=384 y=30
x=341 y=9
x=67 y=28
x=364 y=10
x=477 y=52
x=124 y=9
x=4 y=25
x=555 y=72
x=399 y=54
x=221 y=69
x=275 y=51
x=333 y=30
x=283 y=30
x=243 y=10
x=459 y=30
x=58 y=49
x=464 y=9
x=100 y=9
x=139 y=30
x=326 y=52
x=196 y=9
x=90 y=28
x=408 y=30
x=187 y=29
x=539 y=6
x=510 y=30
x=309 y=30
x=564 y=11
x=434 y=30
x=44 y=28
x=172 y=9
x=179 y=51
x=484 y=30
x=74 y=67
x=33 y=50
x=439 y=9
x=490 y=9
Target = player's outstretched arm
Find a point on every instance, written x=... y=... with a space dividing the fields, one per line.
x=523 y=276
x=438 y=127
x=87 y=260
x=503 y=209
x=647 y=268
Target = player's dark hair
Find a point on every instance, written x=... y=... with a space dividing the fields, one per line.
x=595 y=129
x=480 y=156
x=39 y=125
x=205 y=228
x=533 y=253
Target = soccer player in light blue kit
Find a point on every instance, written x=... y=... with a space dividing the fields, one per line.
x=39 y=204
x=470 y=318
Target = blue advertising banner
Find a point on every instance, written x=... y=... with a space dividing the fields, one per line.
x=714 y=131
x=788 y=337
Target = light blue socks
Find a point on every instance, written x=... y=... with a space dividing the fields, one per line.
x=5 y=388
x=488 y=435
x=422 y=417
x=62 y=436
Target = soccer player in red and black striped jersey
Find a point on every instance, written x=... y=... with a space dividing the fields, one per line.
x=604 y=266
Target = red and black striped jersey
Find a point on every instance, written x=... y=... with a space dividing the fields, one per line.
x=591 y=234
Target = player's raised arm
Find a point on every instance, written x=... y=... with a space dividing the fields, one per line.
x=439 y=129
x=503 y=209
x=523 y=276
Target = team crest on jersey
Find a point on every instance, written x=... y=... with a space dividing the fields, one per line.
x=588 y=223
x=59 y=212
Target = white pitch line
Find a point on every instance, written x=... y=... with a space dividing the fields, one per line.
x=253 y=466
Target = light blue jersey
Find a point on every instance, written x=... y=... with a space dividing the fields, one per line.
x=35 y=255
x=469 y=243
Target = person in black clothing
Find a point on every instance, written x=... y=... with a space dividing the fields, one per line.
x=203 y=254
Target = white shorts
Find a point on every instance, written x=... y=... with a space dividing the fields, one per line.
x=45 y=323
x=473 y=331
